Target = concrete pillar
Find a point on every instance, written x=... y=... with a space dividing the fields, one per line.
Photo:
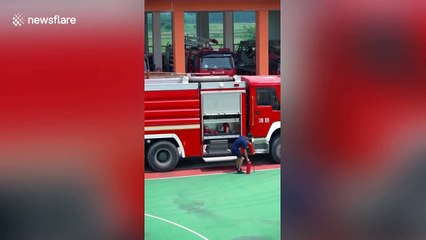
x=156 y=33
x=228 y=30
x=178 y=41
x=262 y=61
x=203 y=24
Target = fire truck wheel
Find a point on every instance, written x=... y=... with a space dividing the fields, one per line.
x=276 y=149
x=163 y=156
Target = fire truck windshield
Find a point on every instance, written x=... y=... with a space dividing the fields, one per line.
x=216 y=62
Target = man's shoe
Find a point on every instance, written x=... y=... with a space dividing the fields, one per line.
x=239 y=171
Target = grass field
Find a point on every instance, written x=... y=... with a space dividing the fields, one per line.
x=224 y=206
x=242 y=31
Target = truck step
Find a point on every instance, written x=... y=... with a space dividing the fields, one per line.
x=219 y=159
x=217 y=154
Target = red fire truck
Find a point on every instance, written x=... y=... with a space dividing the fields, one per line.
x=200 y=116
x=202 y=59
x=245 y=57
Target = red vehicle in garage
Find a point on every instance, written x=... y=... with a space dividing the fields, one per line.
x=201 y=116
x=202 y=59
x=245 y=57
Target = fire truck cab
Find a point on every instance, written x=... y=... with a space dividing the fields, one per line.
x=201 y=116
x=207 y=61
x=202 y=59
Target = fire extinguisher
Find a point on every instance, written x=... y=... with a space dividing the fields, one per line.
x=226 y=127
x=248 y=168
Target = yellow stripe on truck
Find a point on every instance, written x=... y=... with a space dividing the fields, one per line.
x=172 y=127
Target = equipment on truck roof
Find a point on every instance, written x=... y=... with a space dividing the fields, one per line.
x=198 y=42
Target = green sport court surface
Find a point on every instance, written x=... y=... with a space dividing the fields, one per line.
x=219 y=206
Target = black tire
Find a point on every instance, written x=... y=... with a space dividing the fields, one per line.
x=163 y=156
x=275 y=150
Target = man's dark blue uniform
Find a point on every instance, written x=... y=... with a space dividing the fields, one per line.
x=236 y=146
x=241 y=142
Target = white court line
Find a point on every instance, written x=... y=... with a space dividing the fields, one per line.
x=208 y=174
x=165 y=220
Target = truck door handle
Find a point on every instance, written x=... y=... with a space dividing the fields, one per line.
x=257 y=112
x=252 y=111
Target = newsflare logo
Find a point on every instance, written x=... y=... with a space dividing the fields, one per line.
x=18 y=20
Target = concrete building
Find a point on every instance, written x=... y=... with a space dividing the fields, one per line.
x=267 y=19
